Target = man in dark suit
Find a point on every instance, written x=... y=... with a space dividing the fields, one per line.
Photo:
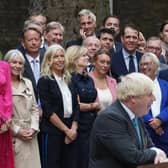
x=127 y=59
x=31 y=42
x=119 y=138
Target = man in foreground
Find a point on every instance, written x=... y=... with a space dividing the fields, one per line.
x=119 y=138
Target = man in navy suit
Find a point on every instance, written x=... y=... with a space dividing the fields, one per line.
x=128 y=55
x=119 y=138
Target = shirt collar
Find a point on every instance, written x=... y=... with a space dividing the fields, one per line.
x=30 y=58
x=126 y=54
x=129 y=112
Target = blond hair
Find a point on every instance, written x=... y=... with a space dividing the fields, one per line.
x=48 y=60
x=134 y=84
x=72 y=54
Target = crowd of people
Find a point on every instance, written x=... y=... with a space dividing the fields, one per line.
x=85 y=104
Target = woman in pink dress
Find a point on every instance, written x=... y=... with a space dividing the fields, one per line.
x=6 y=152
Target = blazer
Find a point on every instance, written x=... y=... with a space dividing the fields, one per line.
x=114 y=142
x=160 y=141
x=52 y=102
x=111 y=83
x=164 y=74
x=28 y=73
x=118 y=66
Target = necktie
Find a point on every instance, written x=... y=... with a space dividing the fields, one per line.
x=136 y=125
x=131 y=64
x=90 y=67
x=36 y=70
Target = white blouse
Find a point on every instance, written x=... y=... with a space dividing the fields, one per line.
x=105 y=97
x=66 y=95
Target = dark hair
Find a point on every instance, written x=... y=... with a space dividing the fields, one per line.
x=105 y=30
x=130 y=25
x=163 y=25
x=30 y=28
x=110 y=16
x=102 y=51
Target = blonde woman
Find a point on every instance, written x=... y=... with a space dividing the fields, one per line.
x=60 y=111
x=77 y=62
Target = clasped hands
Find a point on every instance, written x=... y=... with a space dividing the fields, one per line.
x=25 y=134
x=155 y=124
x=71 y=135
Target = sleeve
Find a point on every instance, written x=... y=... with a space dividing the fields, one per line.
x=113 y=133
x=45 y=97
x=34 y=110
x=7 y=97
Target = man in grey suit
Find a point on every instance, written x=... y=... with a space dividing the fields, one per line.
x=119 y=138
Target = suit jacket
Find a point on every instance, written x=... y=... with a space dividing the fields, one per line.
x=115 y=143
x=160 y=141
x=164 y=74
x=28 y=73
x=74 y=42
x=52 y=102
x=118 y=66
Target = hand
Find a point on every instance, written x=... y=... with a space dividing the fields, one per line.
x=96 y=106
x=67 y=140
x=160 y=156
x=159 y=131
x=4 y=127
x=71 y=134
x=82 y=34
x=155 y=123
x=24 y=134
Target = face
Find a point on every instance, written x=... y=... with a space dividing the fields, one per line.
x=164 y=34
x=87 y=25
x=113 y=24
x=32 y=42
x=130 y=40
x=102 y=64
x=58 y=62
x=141 y=42
x=82 y=61
x=54 y=36
x=40 y=19
x=93 y=45
x=16 y=65
x=142 y=104
x=154 y=46
x=107 y=41
x=148 y=68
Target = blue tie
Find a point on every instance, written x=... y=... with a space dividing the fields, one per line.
x=136 y=125
x=36 y=70
x=131 y=64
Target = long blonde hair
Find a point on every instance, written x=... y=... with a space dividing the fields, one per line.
x=48 y=60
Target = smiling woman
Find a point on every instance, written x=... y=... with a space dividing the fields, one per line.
x=157 y=117
x=25 y=118
x=60 y=111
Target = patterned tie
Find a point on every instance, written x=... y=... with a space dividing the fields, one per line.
x=36 y=70
x=131 y=64
x=136 y=125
